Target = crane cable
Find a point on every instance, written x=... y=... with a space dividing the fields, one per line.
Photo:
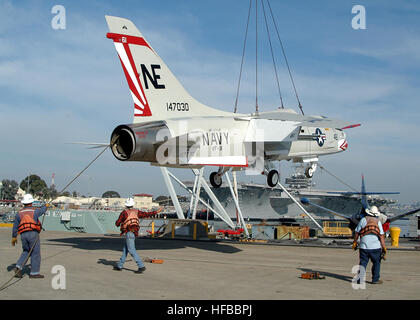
x=272 y=55
x=4 y=286
x=243 y=55
x=256 y=57
x=333 y=175
x=285 y=59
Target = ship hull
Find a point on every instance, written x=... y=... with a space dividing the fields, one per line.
x=261 y=202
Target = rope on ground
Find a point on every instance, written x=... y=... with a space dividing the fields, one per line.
x=5 y=285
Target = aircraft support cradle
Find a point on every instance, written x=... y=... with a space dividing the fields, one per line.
x=300 y=206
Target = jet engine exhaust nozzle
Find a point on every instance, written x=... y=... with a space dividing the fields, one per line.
x=123 y=143
x=137 y=142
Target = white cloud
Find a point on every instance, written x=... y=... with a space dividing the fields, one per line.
x=401 y=50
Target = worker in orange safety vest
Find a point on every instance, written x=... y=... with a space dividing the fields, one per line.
x=129 y=224
x=28 y=226
x=372 y=243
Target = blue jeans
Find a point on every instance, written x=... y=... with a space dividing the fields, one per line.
x=375 y=256
x=28 y=239
x=130 y=247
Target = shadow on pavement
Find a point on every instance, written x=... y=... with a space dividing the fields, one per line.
x=329 y=274
x=113 y=263
x=116 y=244
x=26 y=268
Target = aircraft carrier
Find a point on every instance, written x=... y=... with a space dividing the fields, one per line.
x=258 y=201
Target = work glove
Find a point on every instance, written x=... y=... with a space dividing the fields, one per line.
x=354 y=246
x=14 y=241
x=383 y=254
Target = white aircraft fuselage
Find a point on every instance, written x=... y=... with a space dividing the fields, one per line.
x=172 y=129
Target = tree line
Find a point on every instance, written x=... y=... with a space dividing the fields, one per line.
x=36 y=186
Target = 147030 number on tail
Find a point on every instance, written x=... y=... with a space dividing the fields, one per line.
x=177 y=106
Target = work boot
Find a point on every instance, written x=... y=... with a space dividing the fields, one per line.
x=140 y=270
x=36 y=276
x=378 y=282
x=116 y=268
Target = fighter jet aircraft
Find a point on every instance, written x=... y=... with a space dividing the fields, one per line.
x=357 y=216
x=172 y=129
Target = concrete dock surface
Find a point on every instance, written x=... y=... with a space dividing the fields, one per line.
x=198 y=270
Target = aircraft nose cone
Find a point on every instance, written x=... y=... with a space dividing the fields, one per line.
x=343 y=144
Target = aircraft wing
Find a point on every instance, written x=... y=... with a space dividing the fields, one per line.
x=307 y=121
x=402 y=215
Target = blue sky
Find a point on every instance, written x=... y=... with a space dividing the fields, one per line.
x=59 y=86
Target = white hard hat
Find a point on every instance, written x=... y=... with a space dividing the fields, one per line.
x=129 y=202
x=373 y=211
x=27 y=199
